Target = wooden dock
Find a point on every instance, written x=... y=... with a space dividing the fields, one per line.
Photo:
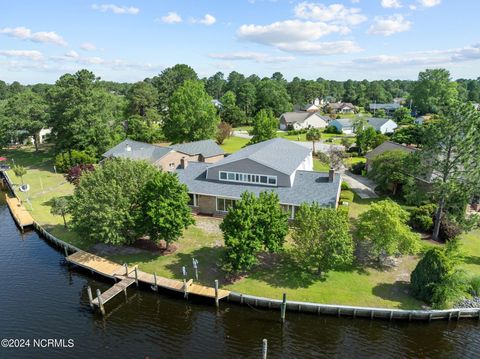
x=20 y=214
x=116 y=271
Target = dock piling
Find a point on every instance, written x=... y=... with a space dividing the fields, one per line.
x=90 y=297
x=100 y=301
x=216 y=293
x=66 y=251
x=155 y=286
x=283 y=307
x=136 y=276
x=195 y=267
x=264 y=349
x=126 y=269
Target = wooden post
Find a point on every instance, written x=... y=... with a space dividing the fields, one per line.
x=264 y=349
x=90 y=297
x=216 y=293
x=283 y=307
x=195 y=267
x=126 y=269
x=136 y=276
x=100 y=302
x=155 y=287
x=66 y=251
x=185 y=292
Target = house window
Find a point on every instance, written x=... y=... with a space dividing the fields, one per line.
x=193 y=199
x=247 y=178
x=223 y=204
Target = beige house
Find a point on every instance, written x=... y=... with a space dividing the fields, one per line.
x=168 y=158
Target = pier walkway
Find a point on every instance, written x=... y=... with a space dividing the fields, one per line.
x=20 y=214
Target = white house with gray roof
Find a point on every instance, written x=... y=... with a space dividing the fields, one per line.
x=276 y=165
x=301 y=120
x=382 y=125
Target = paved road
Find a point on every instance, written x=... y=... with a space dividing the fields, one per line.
x=362 y=186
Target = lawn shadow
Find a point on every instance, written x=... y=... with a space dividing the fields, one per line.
x=475 y=260
x=399 y=292
x=209 y=265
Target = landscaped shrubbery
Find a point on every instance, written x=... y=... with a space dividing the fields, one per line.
x=421 y=218
x=332 y=129
x=346 y=196
x=437 y=279
x=66 y=160
x=357 y=168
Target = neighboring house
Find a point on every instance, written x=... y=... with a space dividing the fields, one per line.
x=301 y=119
x=422 y=119
x=399 y=100
x=275 y=165
x=310 y=108
x=216 y=103
x=389 y=108
x=344 y=125
x=168 y=158
x=384 y=147
x=382 y=125
x=44 y=134
x=341 y=107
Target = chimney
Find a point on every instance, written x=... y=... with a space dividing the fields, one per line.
x=331 y=175
x=184 y=162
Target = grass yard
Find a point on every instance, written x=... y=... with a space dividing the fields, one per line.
x=302 y=137
x=275 y=274
x=233 y=144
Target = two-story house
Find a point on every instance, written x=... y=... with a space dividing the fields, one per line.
x=276 y=165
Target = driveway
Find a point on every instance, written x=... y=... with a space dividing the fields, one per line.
x=362 y=186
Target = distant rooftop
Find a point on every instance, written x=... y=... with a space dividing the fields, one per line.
x=207 y=148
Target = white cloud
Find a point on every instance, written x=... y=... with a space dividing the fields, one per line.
x=29 y=54
x=336 y=13
x=434 y=57
x=171 y=18
x=88 y=46
x=390 y=25
x=206 y=20
x=24 y=33
x=130 y=10
x=355 y=1
x=429 y=3
x=298 y=37
x=391 y=4
x=251 y=56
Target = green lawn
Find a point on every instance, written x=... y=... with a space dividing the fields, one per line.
x=302 y=136
x=320 y=166
x=276 y=274
x=233 y=144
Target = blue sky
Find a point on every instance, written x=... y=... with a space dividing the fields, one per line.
x=130 y=40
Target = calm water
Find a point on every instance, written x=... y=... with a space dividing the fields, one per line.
x=42 y=298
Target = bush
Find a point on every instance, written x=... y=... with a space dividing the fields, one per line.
x=66 y=160
x=421 y=218
x=357 y=168
x=323 y=157
x=347 y=196
x=297 y=132
x=449 y=230
x=344 y=210
x=345 y=186
x=353 y=149
x=474 y=284
x=331 y=129
x=436 y=279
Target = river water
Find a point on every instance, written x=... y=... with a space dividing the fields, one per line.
x=43 y=298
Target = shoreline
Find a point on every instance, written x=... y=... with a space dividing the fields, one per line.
x=299 y=306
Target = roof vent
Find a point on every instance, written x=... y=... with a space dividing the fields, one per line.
x=128 y=148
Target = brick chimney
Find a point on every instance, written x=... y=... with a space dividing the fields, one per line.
x=331 y=175
x=184 y=162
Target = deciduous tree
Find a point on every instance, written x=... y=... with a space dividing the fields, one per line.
x=264 y=127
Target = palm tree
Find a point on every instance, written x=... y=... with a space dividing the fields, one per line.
x=313 y=134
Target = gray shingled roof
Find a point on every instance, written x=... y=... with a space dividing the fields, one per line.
x=388 y=146
x=138 y=151
x=345 y=122
x=207 y=148
x=279 y=154
x=296 y=117
x=376 y=122
x=309 y=186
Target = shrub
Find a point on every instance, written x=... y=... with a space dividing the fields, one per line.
x=436 y=279
x=353 y=149
x=347 y=196
x=331 y=129
x=297 y=132
x=345 y=186
x=323 y=157
x=66 y=160
x=343 y=210
x=421 y=218
x=474 y=284
x=449 y=230
x=357 y=168
x=76 y=172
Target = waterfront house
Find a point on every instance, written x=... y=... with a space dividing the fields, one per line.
x=275 y=165
x=301 y=120
x=167 y=158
